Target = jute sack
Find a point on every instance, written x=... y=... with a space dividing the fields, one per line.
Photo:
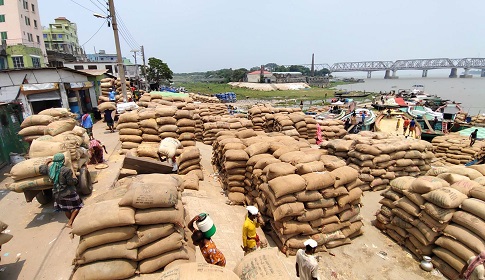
x=344 y=175
x=402 y=183
x=36 y=120
x=104 y=236
x=35 y=183
x=148 y=234
x=257 y=148
x=474 y=206
x=287 y=184
x=262 y=264
x=131 y=138
x=236 y=197
x=191 y=271
x=108 y=214
x=236 y=155
x=191 y=181
x=155 y=263
x=58 y=127
x=130 y=131
x=442 y=215
x=115 y=250
x=294 y=227
x=153 y=216
x=121 y=126
x=425 y=184
x=32 y=130
x=318 y=181
x=446 y=197
x=27 y=169
x=465 y=171
x=450 y=258
x=55 y=112
x=309 y=167
x=143 y=195
x=478 y=167
x=466 y=186
x=456 y=247
x=148 y=150
x=452 y=178
x=130 y=117
x=465 y=236
x=172 y=242
x=445 y=268
x=40 y=148
x=106 y=106
x=288 y=210
x=471 y=222
x=278 y=169
x=106 y=270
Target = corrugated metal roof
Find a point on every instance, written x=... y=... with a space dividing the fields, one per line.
x=95 y=72
x=257 y=72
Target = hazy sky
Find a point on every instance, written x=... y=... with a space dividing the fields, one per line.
x=196 y=35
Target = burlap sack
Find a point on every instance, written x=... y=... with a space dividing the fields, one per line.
x=104 y=270
x=199 y=270
x=104 y=236
x=115 y=250
x=148 y=234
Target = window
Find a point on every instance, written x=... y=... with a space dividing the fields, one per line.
x=35 y=23
x=2 y=18
x=33 y=8
x=93 y=67
x=18 y=62
x=35 y=62
x=1 y=3
x=38 y=39
x=78 y=67
x=101 y=58
x=109 y=68
x=29 y=37
x=26 y=5
x=27 y=21
x=3 y=36
x=59 y=36
x=45 y=36
x=54 y=36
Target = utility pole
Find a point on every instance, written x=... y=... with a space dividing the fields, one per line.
x=143 y=70
x=136 y=68
x=121 y=68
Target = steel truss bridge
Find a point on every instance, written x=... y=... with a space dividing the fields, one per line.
x=407 y=64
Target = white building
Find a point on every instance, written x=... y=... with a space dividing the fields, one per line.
x=43 y=88
x=132 y=71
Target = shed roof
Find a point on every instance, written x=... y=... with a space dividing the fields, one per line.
x=47 y=68
x=257 y=72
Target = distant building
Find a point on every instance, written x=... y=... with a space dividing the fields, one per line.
x=22 y=44
x=255 y=76
x=276 y=77
x=62 y=43
x=132 y=71
x=102 y=56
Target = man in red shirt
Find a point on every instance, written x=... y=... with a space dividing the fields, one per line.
x=405 y=125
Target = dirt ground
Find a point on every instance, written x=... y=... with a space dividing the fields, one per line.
x=42 y=247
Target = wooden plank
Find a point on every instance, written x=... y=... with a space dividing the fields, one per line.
x=146 y=165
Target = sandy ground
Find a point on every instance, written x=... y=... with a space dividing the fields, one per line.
x=270 y=87
x=46 y=249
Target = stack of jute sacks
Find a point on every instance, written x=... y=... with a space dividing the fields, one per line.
x=460 y=117
x=139 y=233
x=291 y=122
x=119 y=93
x=106 y=84
x=46 y=122
x=211 y=109
x=478 y=120
x=380 y=158
x=440 y=214
x=4 y=237
x=203 y=98
x=332 y=129
x=455 y=149
x=303 y=192
x=214 y=124
x=255 y=115
x=129 y=130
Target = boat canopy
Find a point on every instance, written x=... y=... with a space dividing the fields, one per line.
x=468 y=131
x=400 y=102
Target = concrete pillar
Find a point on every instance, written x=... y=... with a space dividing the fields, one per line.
x=425 y=73
x=482 y=74
x=466 y=74
x=388 y=74
x=369 y=74
x=453 y=73
x=394 y=76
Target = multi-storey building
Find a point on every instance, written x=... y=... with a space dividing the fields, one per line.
x=62 y=43
x=102 y=56
x=22 y=44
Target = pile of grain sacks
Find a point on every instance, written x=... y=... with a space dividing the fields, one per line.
x=294 y=124
x=478 y=120
x=47 y=122
x=303 y=192
x=203 y=98
x=455 y=149
x=214 y=124
x=255 y=115
x=332 y=129
x=106 y=84
x=139 y=233
x=438 y=215
x=380 y=158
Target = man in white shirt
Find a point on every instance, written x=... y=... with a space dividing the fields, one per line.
x=306 y=263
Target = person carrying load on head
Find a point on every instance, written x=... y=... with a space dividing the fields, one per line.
x=208 y=248
x=306 y=263
x=66 y=198
x=250 y=238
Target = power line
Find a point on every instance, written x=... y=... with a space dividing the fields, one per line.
x=122 y=23
x=101 y=9
x=94 y=34
x=127 y=37
x=83 y=6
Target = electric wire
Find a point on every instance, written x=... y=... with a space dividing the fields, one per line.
x=83 y=6
x=94 y=34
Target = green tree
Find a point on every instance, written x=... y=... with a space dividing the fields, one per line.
x=239 y=74
x=299 y=68
x=158 y=71
x=271 y=66
x=255 y=68
x=322 y=72
x=281 y=68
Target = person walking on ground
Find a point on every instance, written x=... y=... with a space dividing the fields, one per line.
x=65 y=196
x=96 y=151
x=388 y=113
x=363 y=114
x=474 y=270
x=405 y=126
x=112 y=95
x=473 y=137
x=398 y=124
x=87 y=123
x=301 y=104
x=108 y=118
x=306 y=263
x=412 y=128
x=250 y=238
x=208 y=248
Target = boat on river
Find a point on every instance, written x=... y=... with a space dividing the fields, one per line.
x=388 y=125
x=348 y=94
x=369 y=121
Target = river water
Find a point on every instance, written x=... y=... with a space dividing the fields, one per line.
x=470 y=91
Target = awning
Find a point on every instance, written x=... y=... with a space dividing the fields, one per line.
x=79 y=85
x=52 y=95
x=8 y=94
x=400 y=102
x=28 y=89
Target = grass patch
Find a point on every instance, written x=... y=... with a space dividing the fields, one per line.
x=243 y=93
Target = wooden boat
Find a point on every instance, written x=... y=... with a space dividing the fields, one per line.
x=384 y=124
x=370 y=118
x=351 y=95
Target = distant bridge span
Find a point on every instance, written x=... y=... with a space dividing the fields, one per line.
x=408 y=64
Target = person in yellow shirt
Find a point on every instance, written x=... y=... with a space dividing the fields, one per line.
x=250 y=239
